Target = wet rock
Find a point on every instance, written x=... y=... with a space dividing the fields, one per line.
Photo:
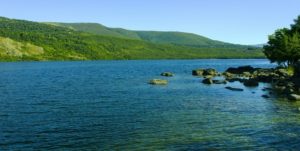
x=251 y=83
x=227 y=75
x=240 y=70
x=205 y=72
x=294 y=97
x=265 y=96
x=208 y=77
x=198 y=72
x=246 y=74
x=167 y=74
x=267 y=89
x=158 y=82
x=235 y=79
x=207 y=81
x=219 y=81
x=210 y=71
x=264 y=78
x=234 y=89
x=282 y=72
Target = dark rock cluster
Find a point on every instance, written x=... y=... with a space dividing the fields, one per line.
x=283 y=82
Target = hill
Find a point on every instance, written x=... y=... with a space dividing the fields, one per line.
x=177 y=38
x=26 y=40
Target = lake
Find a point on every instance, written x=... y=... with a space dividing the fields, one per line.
x=109 y=105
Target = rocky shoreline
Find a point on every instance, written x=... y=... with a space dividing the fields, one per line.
x=283 y=83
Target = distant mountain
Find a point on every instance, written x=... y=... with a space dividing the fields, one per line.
x=259 y=45
x=177 y=38
x=26 y=40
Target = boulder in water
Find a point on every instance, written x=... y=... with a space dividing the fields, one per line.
x=207 y=81
x=158 y=82
x=219 y=81
x=240 y=70
x=234 y=89
x=251 y=83
x=167 y=74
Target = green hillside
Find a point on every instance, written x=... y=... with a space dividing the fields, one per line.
x=177 y=38
x=95 y=28
x=26 y=40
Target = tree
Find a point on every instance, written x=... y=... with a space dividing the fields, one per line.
x=284 y=45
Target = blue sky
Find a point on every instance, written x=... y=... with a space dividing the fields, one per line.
x=235 y=21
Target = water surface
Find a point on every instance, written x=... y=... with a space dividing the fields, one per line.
x=108 y=105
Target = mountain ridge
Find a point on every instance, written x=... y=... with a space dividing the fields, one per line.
x=61 y=43
x=173 y=37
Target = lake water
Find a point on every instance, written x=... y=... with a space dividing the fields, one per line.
x=108 y=105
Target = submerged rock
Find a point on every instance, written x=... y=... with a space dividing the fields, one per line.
x=251 y=83
x=167 y=74
x=158 y=82
x=265 y=96
x=235 y=79
x=219 y=81
x=234 y=89
x=207 y=81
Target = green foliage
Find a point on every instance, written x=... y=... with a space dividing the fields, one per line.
x=284 y=45
x=177 y=38
x=61 y=43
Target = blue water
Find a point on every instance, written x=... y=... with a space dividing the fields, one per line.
x=108 y=105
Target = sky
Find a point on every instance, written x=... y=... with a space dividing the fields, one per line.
x=234 y=21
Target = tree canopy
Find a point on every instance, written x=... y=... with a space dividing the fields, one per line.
x=284 y=45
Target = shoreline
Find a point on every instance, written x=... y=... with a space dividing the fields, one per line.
x=284 y=83
x=3 y=61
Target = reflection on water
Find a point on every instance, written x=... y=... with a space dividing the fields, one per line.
x=104 y=105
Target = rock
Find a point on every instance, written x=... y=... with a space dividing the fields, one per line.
x=267 y=89
x=240 y=70
x=234 y=89
x=235 y=79
x=264 y=78
x=227 y=74
x=210 y=72
x=198 y=72
x=251 y=83
x=158 y=82
x=265 y=96
x=246 y=74
x=205 y=72
x=207 y=81
x=219 y=81
x=282 y=72
x=167 y=74
x=294 y=97
x=208 y=77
